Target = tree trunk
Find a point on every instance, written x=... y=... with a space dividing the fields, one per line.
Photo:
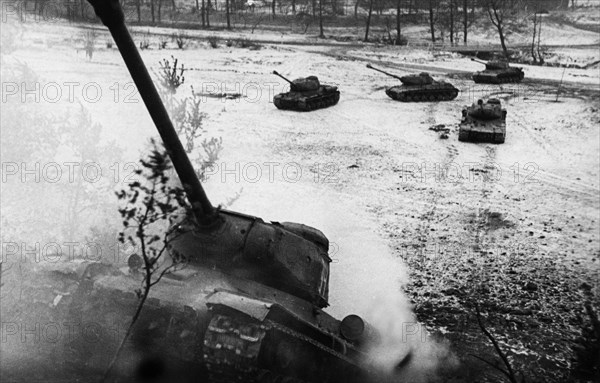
x=208 y=6
x=152 y=11
x=398 y=30
x=498 y=21
x=465 y=21
x=321 y=34
x=202 y=14
x=369 y=20
x=294 y=7
x=451 y=22
x=534 y=32
x=540 y=57
x=227 y=14
x=314 y=8
x=431 y=21
x=273 y=4
x=502 y=40
x=138 y=5
x=356 y=9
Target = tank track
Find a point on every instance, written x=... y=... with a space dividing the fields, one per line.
x=231 y=350
x=503 y=78
x=321 y=102
x=445 y=95
x=232 y=347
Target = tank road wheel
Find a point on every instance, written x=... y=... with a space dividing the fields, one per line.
x=432 y=97
x=463 y=136
x=499 y=138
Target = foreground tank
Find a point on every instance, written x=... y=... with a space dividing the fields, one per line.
x=483 y=122
x=498 y=72
x=306 y=94
x=420 y=87
x=247 y=306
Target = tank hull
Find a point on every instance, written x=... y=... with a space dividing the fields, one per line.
x=474 y=129
x=325 y=97
x=212 y=327
x=438 y=91
x=512 y=75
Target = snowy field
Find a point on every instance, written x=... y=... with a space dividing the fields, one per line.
x=369 y=172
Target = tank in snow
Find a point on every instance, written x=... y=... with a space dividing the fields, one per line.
x=483 y=122
x=420 y=87
x=306 y=94
x=248 y=305
x=498 y=72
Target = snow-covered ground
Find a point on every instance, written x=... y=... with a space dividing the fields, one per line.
x=368 y=171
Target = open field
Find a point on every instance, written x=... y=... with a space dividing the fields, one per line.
x=432 y=224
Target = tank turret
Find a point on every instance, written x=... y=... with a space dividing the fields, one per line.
x=483 y=122
x=421 y=87
x=497 y=71
x=248 y=304
x=306 y=94
x=420 y=79
x=302 y=84
x=493 y=64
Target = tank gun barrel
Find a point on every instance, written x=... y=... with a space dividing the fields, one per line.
x=111 y=15
x=478 y=61
x=384 y=72
x=277 y=74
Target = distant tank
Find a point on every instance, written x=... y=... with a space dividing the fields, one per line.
x=420 y=87
x=498 y=72
x=247 y=307
x=306 y=94
x=483 y=122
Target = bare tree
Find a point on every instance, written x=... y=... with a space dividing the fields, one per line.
x=152 y=11
x=149 y=202
x=207 y=13
x=398 y=30
x=321 y=33
x=138 y=5
x=432 y=20
x=465 y=20
x=499 y=11
x=227 y=13
x=451 y=6
x=368 y=20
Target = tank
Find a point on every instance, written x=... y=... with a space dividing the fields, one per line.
x=498 y=72
x=421 y=87
x=483 y=122
x=306 y=94
x=248 y=306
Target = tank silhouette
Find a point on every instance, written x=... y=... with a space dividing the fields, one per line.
x=483 y=122
x=420 y=87
x=498 y=72
x=248 y=306
x=306 y=94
